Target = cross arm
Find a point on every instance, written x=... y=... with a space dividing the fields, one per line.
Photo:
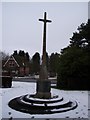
x=41 y=20
x=44 y=20
x=48 y=21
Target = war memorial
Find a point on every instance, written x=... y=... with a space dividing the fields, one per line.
x=43 y=101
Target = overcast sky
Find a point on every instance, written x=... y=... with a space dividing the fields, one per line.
x=21 y=29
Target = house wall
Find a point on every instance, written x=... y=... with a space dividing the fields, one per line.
x=27 y=71
x=24 y=71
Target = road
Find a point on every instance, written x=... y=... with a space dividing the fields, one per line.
x=29 y=79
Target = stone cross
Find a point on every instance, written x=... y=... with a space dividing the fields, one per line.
x=44 y=38
x=43 y=84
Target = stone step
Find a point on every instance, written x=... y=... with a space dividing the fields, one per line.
x=28 y=98
x=60 y=104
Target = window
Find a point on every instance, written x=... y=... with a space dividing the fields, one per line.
x=11 y=64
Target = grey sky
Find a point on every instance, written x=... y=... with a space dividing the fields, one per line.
x=22 y=30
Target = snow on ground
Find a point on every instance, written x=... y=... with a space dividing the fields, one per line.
x=22 y=88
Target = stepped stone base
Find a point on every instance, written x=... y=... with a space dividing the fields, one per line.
x=32 y=105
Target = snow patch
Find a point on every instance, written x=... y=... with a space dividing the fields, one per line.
x=22 y=88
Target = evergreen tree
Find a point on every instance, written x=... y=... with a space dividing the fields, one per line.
x=54 y=61
x=82 y=37
x=27 y=56
x=74 y=64
x=15 y=52
x=36 y=63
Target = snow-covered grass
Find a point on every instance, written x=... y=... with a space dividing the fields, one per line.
x=22 y=88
